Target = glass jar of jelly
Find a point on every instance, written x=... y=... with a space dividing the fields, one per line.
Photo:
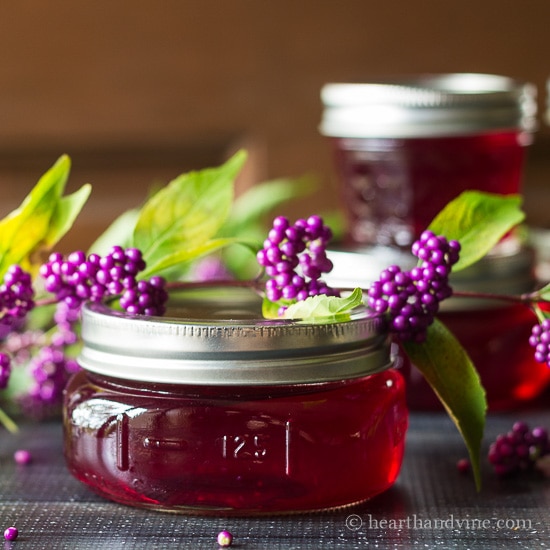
x=214 y=410
x=495 y=333
x=405 y=147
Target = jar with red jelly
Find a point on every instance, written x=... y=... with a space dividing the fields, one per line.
x=212 y=409
x=405 y=147
x=494 y=332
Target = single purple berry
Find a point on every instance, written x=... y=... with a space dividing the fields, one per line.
x=225 y=539
x=11 y=533
x=22 y=456
x=463 y=465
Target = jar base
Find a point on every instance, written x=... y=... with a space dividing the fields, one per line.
x=220 y=511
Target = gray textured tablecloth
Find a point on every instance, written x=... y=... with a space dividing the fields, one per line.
x=431 y=506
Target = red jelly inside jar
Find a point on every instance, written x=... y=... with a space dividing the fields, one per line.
x=250 y=450
x=333 y=437
x=393 y=188
x=495 y=333
x=497 y=341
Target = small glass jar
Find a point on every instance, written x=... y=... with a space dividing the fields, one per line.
x=494 y=333
x=405 y=147
x=214 y=410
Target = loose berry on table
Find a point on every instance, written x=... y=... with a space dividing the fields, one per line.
x=225 y=539
x=519 y=449
x=22 y=456
x=11 y=533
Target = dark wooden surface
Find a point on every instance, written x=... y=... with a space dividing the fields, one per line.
x=431 y=506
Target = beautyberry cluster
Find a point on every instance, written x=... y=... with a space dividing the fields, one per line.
x=16 y=297
x=294 y=257
x=412 y=297
x=519 y=449
x=79 y=278
x=540 y=341
x=50 y=370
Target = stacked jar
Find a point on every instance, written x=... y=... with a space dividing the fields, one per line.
x=403 y=149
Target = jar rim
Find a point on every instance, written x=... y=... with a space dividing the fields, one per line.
x=428 y=105
x=187 y=347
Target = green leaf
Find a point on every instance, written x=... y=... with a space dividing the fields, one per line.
x=543 y=293
x=120 y=233
x=270 y=310
x=479 y=221
x=450 y=372
x=248 y=209
x=187 y=212
x=41 y=219
x=65 y=212
x=325 y=308
x=183 y=256
x=248 y=220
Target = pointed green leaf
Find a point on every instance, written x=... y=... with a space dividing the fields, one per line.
x=41 y=219
x=544 y=293
x=479 y=221
x=187 y=212
x=120 y=233
x=65 y=213
x=249 y=208
x=447 y=368
x=183 y=256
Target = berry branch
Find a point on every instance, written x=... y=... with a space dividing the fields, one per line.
x=183 y=223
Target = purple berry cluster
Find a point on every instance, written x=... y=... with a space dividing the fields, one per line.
x=80 y=278
x=540 y=341
x=16 y=296
x=519 y=449
x=50 y=370
x=294 y=257
x=412 y=297
x=73 y=281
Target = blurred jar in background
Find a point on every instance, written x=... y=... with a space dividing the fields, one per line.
x=495 y=333
x=405 y=147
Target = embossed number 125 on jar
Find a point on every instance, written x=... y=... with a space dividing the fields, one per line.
x=212 y=409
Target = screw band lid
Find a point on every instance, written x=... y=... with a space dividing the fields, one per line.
x=218 y=337
x=428 y=106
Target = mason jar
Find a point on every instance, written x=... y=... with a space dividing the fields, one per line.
x=212 y=409
x=405 y=147
x=495 y=333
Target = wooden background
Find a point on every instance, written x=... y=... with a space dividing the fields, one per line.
x=138 y=92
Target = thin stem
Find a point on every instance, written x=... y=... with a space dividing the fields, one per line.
x=253 y=284
x=525 y=299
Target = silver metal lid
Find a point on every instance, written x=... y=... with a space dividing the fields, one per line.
x=428 y=105
x=218 y=337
